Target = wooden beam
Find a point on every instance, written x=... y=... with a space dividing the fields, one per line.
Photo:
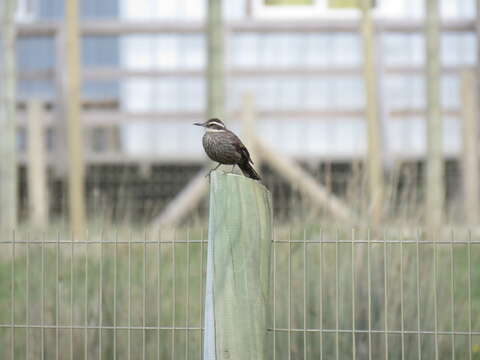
x=75 y=131
x=113 y=28
x=470 y=165
x=112 y=118
x=185 y=202
x=238 y=269
x=434 y=185
x=106 y=73
x=8 y=162
x=374 y=133
x=306 y=184
x=37 y=168
x=121 y=158
x=37 y=29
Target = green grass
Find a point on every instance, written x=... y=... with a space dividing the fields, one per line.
x=140 y=268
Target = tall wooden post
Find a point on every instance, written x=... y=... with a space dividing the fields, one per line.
x=238 y=269
x=37 y=168
x=215 y=57
x=478 y=49
x=434 y=187
x=374 y=157
x=196 y=189
x=8 y=159
x=75 y=130
x=470 y=165
x=248 y=118
x=60 y=157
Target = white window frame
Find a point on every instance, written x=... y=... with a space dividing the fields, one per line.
x=26 y=10
x=319 y=9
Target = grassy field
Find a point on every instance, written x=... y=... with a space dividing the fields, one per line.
x=133 y=280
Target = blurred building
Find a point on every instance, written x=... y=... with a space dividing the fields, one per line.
x=305 y=75
x=144 y=65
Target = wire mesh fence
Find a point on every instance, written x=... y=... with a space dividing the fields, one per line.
x=111 y=297
x=335 y=294
x=384 y=297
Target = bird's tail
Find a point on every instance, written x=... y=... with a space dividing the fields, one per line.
x=249 y=171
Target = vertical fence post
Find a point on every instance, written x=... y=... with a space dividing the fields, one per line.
x=8 y=159
x=37 y=168
x=196 y=189
x=238 y=269
x=215 y=64
x=374 y=157
x=60 y=155
x=470 y=166
x=75 y=131
x=434 y=186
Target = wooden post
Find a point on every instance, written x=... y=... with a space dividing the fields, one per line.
x=238 y=269
x=37 y=169
x=470 y=166
x=8 y=159
x=194 y=192
x=248 y=118
x=184 y=202
x=434 y=186
x=75 y=130
x=306 y=184
x=215 y=65
x=374 y=156
x=60 y=155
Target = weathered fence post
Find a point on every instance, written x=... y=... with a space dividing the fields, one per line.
x=37 y=167
x=374 y=132
x=238 y=269
x=470 y=164
x=215 y=60
x=8 y=158
x=434 y=181
x=76 y=172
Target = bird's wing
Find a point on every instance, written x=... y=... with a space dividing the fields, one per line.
x=245 y=152
x=240 y=147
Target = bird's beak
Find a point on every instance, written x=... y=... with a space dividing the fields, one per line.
x=199 y=124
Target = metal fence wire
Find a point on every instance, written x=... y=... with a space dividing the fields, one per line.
x=345 y=294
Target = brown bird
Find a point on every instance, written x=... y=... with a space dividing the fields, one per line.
x=224 y=147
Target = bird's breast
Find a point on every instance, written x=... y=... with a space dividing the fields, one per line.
x=220 y=148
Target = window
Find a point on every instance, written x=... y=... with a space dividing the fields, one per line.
x=299 y=9
x=289 y=2
x=26 y=10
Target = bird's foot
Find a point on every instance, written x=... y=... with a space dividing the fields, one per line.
x=210 y=172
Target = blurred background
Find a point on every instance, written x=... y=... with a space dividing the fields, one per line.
x=357 y=113
x=341 y=92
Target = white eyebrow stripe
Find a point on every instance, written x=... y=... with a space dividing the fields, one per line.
x=216 y=123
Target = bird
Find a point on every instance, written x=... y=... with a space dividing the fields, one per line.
x=224 y=147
